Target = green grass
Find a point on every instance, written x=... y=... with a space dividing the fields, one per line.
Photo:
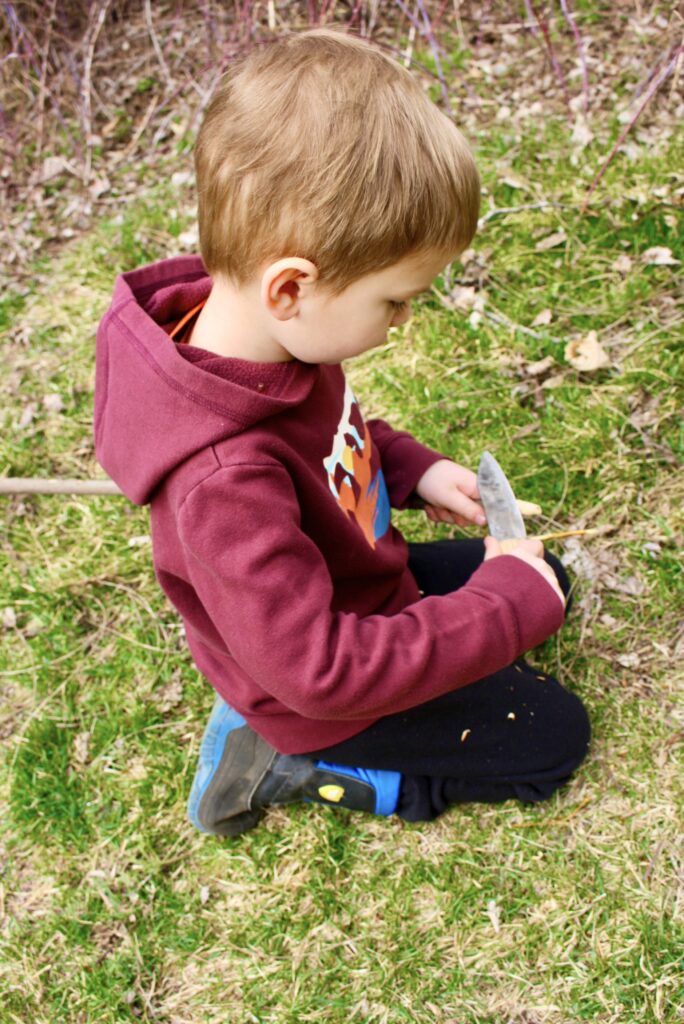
x=113 y=909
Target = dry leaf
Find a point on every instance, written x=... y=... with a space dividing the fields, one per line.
x=543 y=318
x=581 y=561
x=170 y=695
x=630 y=585
x=81 y=749
x=52 y=167
x=189 y=239
x=27 y=415
x=551 y=241
x=540 y=367
x=554 y=382
x=137 y=542
x=136 y=769
x=99 y=188
x=525 y=431
x=586 y=354
x=9 y=618
x=514 y=182
x=53 y=403
x=659 y=256
x=582 y=134
x=494 y=915
x=628 y=660
x=463 y=298
x=622 y=264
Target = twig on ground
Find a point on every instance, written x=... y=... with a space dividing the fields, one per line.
x=155 y=44
x=435 y=47
x=525 y=206
x=43 y=78
x=85 y=92
x=499 y=318
x=580 y=49
x=623 y=134
x=544 y=26
x=663 y=59
x=561 y=534
x=678 y=68
x=39 y=485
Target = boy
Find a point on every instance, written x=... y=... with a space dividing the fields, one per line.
x=351 y=668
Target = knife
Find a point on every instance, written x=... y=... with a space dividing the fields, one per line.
x=496 y=494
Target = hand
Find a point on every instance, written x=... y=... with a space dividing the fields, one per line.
x=450 y=494
x=532 y=552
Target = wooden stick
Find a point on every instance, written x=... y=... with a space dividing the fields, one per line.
x=509 y=544
x=571 y=533
x=38 y=485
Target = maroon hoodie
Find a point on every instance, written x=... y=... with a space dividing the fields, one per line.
x=271 y=533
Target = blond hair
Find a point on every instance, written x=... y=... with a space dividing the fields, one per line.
x=319 y=145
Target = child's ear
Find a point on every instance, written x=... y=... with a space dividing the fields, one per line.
x=282 y=285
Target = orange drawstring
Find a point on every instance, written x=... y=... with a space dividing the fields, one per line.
x=188 y=316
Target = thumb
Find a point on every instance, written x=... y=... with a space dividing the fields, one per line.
x=492 y=548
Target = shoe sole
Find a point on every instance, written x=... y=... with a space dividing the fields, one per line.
x=230 y=774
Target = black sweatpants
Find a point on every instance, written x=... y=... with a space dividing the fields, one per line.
x=516 y=734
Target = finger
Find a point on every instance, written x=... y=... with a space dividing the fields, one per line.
x=443 y=515
x=533 y=546
x=462 y=505
x=492 y=548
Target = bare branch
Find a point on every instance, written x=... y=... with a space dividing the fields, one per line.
x=39 y=485
x=580 y=49
x=85 y=92
x=544 y=26
x=623 y=134
x=155 y=44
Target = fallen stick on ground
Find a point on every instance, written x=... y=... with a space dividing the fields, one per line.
x=510 y=543
x=39 y=485
x=572 y=533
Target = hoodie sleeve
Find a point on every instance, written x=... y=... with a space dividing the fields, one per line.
x=267 y=589
x=403 y=460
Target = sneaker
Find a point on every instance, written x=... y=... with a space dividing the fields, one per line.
x=239 y=775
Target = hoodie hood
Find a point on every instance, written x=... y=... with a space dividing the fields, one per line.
x=154 y=408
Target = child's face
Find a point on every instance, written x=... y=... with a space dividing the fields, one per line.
x=315 y=328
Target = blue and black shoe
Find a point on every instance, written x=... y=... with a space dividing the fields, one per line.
x=239 y=775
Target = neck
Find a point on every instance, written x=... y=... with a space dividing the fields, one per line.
x=232 y=324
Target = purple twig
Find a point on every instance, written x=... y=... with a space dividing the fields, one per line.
x=580 y=49
x=209 y=24
x=440 y=14
x=623 y=134
x=531 y=20
x=435 y=47
x=426 y=30
x=654 y=70
x=544 y=26
x=410 y=17
x=483 y=18
x=22 y=42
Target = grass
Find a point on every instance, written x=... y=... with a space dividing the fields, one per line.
x=113 y=909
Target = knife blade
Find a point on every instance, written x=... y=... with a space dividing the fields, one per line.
x=496 y=494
